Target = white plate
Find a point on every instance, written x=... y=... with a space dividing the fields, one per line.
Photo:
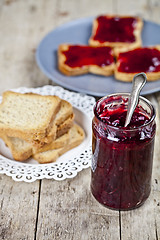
x=70 y=163
x=78 y=32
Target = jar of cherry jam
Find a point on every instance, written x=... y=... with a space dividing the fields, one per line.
x=122 y=156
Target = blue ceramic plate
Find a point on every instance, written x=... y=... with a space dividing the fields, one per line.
x=78 y=32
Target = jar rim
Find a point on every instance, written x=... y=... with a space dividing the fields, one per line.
x=153 y=112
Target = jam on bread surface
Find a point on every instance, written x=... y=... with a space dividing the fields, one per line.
x=139 y=60
x=79 y=56
x=115 y=29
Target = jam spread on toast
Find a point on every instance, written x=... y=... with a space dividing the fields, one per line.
x=115 y=29
x=79 y=56
x=139 y=60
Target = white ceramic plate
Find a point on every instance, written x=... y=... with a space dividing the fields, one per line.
x=78 y=32
x=70 y=163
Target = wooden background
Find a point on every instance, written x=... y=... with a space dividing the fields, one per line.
x=49 y=209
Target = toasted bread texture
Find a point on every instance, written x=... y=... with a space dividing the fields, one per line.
x=27 y=116
x=22 y=150
x=85 y=64
x=76 y=136
x=61 y=119
x=132 y=61
x=113 y=31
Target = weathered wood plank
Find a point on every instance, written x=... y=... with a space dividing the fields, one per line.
x=18 y=209
x=68 y=211
x=144 y=222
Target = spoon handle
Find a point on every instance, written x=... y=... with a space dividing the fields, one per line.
x=139 y=81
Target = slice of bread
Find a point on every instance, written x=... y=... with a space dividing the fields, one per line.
x=65 y=112
x=116 y=31
x=132 y=61
x=27 y=116
x=76 y=136
x=80 y=59
x=65 y=126
x=22 y=150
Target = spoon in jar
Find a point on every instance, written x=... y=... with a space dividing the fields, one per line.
x=139 y=81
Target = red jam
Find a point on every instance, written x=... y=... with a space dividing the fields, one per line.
x=122 y=157
x=115 y=29
x=79 y=56
x=139 y=60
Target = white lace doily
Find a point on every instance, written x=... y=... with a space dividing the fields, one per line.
x=70 y=163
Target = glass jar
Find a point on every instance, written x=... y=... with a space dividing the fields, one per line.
x=122 y=156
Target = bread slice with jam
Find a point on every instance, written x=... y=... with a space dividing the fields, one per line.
x=116 y=31
x=132 y=61
x=81 y=59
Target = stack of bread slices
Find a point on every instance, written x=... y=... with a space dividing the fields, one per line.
x=37 y=126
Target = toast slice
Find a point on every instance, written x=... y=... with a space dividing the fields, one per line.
x=116 y=31
x=65 y=126
x=81 y=59
x=63 y=119
x=132 y=61
x=76 y=136
x=27 y=116
x=22 y=150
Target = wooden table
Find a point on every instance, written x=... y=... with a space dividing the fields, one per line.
x=49 y=209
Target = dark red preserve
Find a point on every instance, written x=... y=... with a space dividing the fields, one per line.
x=139 y=60
x=122 y=156
x=79 y=56
x=115 y=29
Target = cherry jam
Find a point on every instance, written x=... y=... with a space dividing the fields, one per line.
x=79 y=56
x=139 y=60
x=115 y=29
x=122 y=156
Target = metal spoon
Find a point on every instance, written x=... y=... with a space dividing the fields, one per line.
x=139 y=81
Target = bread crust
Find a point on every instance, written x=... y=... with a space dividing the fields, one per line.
x=76 y=136
x=27 y=133
x=136 y=32
x=67 y=70
x=128 y=77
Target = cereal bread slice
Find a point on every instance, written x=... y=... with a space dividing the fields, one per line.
x=81 y=59
x=116 y=31
x=76 y=136
x=22 y=150
x=61 y=121
x=27 y=116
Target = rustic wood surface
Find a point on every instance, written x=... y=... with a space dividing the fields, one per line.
x=49 y=209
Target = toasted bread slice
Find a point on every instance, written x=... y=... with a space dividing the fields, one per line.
x=65 y=126
x=116 y=31
x=80 y=59
x=76 y=136
x=27 y=116
x=132 y=61
x=61 y=121
x=22 y=150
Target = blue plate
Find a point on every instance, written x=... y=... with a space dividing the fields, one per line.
x=78 y=32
